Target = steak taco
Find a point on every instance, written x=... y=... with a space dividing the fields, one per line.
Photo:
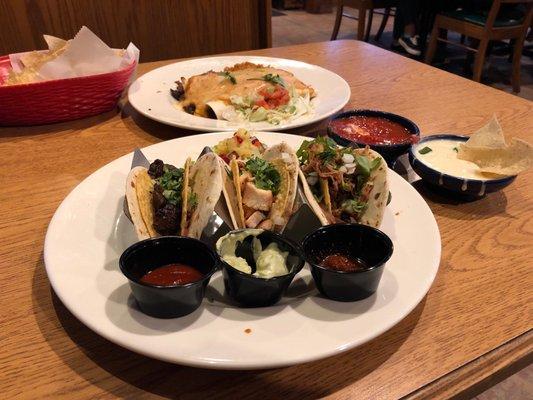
x=264 y=181
x=165 y=200
x=343 y=184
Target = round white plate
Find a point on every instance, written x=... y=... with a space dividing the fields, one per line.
x=89 y=232
x=150 y=94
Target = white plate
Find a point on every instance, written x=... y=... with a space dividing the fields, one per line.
x=150 y=94
x=89 y=232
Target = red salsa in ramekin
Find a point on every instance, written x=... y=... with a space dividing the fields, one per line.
x=372 y=130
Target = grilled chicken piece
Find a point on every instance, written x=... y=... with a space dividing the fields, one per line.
x=254 y=219
x=255 y=198
x=266 y=225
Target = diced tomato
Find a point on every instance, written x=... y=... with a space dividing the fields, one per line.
x=225 y=158
x=278 y=97
x=238 y=139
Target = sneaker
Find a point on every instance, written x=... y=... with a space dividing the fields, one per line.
x=410 y=45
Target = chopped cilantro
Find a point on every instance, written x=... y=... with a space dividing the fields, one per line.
x=228 y=76
x=353 y=207
x=456 y=149
x=172 y=184
x=425 y=150
x=265 y=175
x=275 y=79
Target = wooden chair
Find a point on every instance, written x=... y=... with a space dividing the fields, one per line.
x=484 y=28
x=363 y=6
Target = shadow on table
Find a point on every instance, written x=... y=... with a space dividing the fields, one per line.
x=463 y=207
x=310 y=380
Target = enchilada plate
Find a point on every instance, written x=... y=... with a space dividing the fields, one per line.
x=150 y=94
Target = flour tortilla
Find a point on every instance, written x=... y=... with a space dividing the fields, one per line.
x=206 y=181
x=373 y=215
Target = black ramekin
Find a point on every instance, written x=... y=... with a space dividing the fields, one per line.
x=168 y=301
x=451 y=184
x=390 y=152
x=252 y=291
x=352 y=240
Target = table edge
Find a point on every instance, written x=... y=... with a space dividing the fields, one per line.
x=481 y=373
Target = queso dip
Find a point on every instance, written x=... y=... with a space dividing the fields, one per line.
x=441 y=155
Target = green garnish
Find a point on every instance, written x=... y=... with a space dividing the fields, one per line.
x=275 y=79
x=389 y=199
x=193 y=201
x=266 y=177
x=425 y=150
x=353 y=207
x=456 y=149
x=228 y=76
x=172 y=184
x=327 y=154
x=365 y=166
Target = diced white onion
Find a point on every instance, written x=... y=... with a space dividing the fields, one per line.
x=343 y=169
x=347 y=158
x=286 y=158
x=350 y=166
x=350 y=171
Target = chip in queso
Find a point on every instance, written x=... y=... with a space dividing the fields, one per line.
x=484 y=156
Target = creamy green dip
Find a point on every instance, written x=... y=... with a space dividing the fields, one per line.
x=270 y=261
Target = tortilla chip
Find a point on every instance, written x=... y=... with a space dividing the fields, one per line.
x=489 y=136
x=509 y=160
x=487 y=148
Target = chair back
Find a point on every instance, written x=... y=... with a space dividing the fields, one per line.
x=495 y=10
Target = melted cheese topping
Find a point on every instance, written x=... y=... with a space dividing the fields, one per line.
x=211 y=86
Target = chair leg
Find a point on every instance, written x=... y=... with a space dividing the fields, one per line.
x=517 y=55
x=338 y=20
x=361 y=19
x=480 y=59
x=384 y=21
x=432 y=47
x=369 y=26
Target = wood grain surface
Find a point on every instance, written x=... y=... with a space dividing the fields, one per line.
x=162 y=29
x=480 y=303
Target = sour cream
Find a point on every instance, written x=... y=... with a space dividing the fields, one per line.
x=443 y=158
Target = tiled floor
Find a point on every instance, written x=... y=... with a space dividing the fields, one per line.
x=296 y=27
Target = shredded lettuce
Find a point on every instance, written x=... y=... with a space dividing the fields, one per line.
x=245 y=110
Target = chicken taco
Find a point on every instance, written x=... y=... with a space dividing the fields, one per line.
x=343 y=184
x=264 y=181
x=166 y=200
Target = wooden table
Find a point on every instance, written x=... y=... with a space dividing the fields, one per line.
x=472 y=328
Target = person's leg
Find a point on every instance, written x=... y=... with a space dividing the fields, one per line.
x=409 y=11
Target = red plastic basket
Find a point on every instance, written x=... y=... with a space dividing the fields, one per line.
x=61 y=99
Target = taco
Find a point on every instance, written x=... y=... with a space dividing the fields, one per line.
x=264 y=181
x=165 y=200
x=343 y=184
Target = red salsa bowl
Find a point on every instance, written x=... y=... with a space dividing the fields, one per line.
x=389 y=134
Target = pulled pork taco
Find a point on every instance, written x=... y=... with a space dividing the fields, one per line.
x=343 y=184
x=264 y=181
x=165 y=200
